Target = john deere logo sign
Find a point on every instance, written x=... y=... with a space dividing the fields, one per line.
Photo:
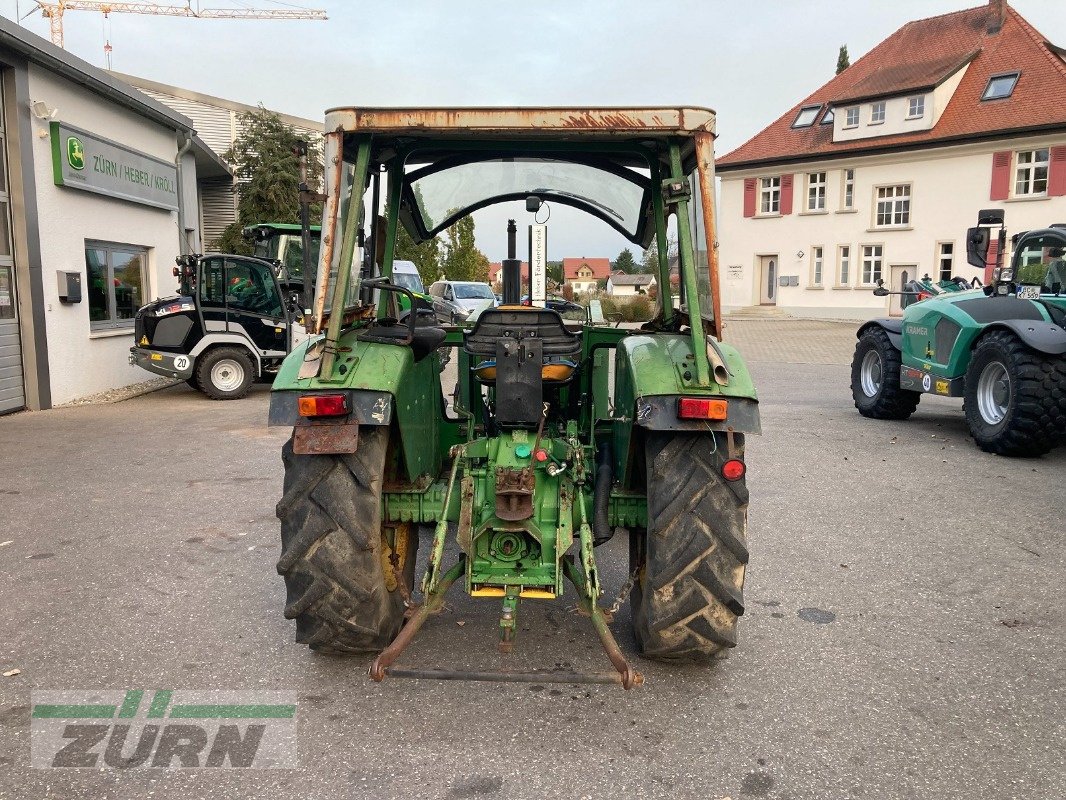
x=82 y=160
x=75 y=153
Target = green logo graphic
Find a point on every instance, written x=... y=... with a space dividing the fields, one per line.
x=75 y=153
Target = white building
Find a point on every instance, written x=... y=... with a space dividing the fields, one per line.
x=878 y=174
x=218 y=122
x=621 y=284
x=97 y=198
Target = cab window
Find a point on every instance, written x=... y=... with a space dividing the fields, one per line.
x=250 y=288
x=212 y=291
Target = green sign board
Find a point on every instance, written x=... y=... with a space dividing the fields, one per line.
x=83 y=161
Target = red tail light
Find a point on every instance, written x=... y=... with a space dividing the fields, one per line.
x=702 y=408
x=323 y=405
x=733 y=469
x=923 y=296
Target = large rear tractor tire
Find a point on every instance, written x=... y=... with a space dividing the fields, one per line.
x=1015 y=398
x=690 y=562
x=875 y=373
x=342 y=589
x=225 y=373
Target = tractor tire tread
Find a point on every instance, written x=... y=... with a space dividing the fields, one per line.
x=891 y=402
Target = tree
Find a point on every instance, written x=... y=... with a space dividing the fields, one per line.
x=426 y=256
x=843 y=60
x=460 y=259
x=554 y=270
x=268 y=175
x=625 y=262
x=650 y=262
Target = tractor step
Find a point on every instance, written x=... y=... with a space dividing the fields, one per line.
x=506 y=676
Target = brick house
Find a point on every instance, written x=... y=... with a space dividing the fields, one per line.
x=878 y=173
x=582 y=274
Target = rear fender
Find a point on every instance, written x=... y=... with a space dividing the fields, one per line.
x=1044 y=337
x=893 y=327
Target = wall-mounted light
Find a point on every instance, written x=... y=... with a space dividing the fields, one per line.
x=42 y=111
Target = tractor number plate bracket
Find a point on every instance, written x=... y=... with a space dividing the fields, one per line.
x=325 y=438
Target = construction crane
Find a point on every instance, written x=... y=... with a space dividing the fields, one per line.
x=54 y=12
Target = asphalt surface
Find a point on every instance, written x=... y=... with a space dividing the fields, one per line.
x=904 y=634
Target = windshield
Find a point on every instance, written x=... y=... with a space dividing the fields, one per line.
x=1041 y=260
x=410 y=281
x=294 y=260
x=440 y=195
x=473 y=291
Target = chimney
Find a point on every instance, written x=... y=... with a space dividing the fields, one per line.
x=999 y=14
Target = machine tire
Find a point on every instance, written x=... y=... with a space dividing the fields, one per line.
x=333 y=549
x=212 y=382
x=1034 y=407
x=880 y=398
x=690 y=562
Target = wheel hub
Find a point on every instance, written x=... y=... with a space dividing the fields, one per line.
x=993 y=393
x=227 y=375
x=870 y=374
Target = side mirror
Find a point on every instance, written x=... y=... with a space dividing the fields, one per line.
x=977 y=242
x=881 y=291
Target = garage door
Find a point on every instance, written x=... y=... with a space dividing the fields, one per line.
x=12 y=393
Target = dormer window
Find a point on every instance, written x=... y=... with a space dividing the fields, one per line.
x=877 y=113
x=916 y=107
x=1000 y=86
x=806 y=117
x=851 y=118
x=827 y=117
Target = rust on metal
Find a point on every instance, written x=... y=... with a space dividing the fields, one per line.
x=705 y=169
x=320 y=438
x=333 y=147
x=664 y=120
x=514 y=493
x=463 y=535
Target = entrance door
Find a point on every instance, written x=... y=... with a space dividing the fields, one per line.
x=768 y=268
x=12 y=390
x=900 y=275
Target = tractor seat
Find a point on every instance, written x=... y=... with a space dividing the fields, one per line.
x=552 y=372
x=522 y=323
x=427 y=338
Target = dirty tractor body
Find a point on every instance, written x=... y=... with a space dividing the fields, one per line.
x=555 y=435
x=1001 y=347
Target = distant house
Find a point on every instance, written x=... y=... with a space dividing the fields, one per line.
x=621 y=284
x=583 y=274
x=496 y=276
x=878 y=174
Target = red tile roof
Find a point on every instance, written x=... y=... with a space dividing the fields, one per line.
x=496 y=266
x=601 y=267
x=944 y=44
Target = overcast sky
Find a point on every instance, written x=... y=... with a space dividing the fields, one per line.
x=750 y=61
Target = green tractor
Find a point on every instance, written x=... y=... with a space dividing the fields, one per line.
x=539 y=457
x=1002 y=348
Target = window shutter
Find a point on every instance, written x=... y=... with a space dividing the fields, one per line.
x=1056 y=185
x=786 y=195
x=749 y=197
x=1000 y=176
x=990 y=261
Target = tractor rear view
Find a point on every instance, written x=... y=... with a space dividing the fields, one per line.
x=538 y=459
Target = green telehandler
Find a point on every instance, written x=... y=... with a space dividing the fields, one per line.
x=539 y=457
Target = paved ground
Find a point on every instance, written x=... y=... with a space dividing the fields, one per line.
x=904 y=635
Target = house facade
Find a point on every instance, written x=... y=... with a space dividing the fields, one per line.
x=622 y=284
x=584 y=274
x=878 y=174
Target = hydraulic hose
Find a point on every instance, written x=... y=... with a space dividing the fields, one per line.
x=601 y=528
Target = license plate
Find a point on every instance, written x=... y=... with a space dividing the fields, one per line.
x=1028 y=292
x=156 y=357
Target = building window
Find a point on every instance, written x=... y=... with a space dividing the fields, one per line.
x=916 y=107
x=816 y=191
x=893 y=206
x=872 y=259
x=877 y=113
x=115 y=282
x=848 y=199
x=827 y=118
x=1030 y=177
x=770 y=195
x=844 y=265
x=1000 y=86
x=945 y=259
x=817 y=262
x=806 y=117
x=851 y=118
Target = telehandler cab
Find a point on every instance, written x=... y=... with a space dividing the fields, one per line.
x=540 y=458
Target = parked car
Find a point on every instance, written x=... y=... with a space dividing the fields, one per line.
x=470 y=296
x=566 y=309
